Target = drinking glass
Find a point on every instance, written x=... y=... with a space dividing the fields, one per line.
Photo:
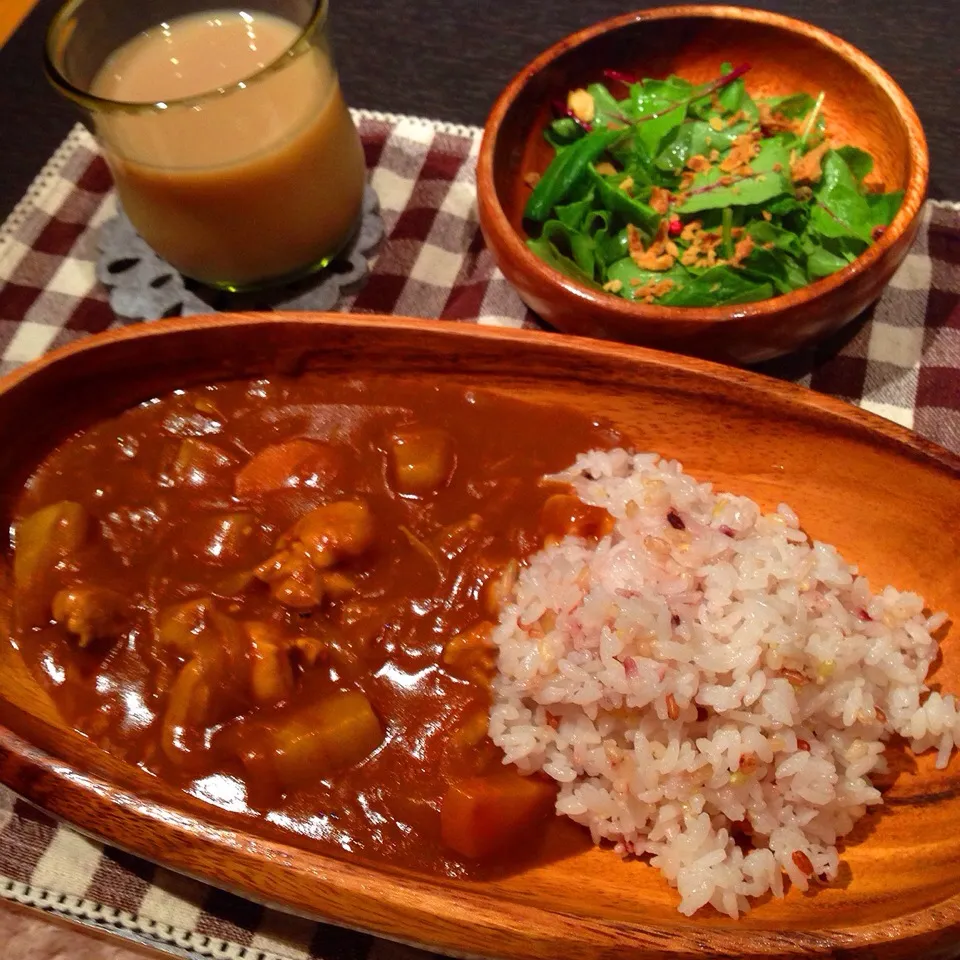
x=243 y=184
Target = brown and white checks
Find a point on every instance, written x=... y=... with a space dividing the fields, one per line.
x=901 y=361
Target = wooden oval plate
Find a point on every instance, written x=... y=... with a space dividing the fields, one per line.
x=887 y=499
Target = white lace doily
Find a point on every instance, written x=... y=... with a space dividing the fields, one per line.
x=143 y=286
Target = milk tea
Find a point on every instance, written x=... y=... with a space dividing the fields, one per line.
x=259 y=181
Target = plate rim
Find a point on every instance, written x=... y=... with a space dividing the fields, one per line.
x=750 y=380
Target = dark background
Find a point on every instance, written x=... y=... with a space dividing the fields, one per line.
x=448 y=59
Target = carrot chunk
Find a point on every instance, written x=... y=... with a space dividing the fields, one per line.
x=282 y=465
x=566 y=515
x=481 y=816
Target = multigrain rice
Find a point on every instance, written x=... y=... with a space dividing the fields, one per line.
x=709 y=687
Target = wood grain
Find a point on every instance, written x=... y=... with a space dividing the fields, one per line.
x=12 y=13
x=863 y=106
x=887 y=498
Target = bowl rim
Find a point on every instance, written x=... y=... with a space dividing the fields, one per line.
x=494 y=220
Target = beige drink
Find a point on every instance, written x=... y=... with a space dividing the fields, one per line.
x=261 y=180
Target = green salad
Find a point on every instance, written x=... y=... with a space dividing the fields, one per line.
x=700 y=195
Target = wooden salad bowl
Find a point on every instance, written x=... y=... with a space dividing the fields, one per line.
x=885 y=497
x=863 y=106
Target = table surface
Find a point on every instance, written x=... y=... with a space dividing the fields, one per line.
x=414 y=58
x=27 y=934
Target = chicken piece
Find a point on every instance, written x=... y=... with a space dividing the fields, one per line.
x=230 y=667
x=421 y=460
x=359 y=644
x=222 y=537
x=186 y=714
x=90 y=613
x=292 y=578
x=295 y=583
x=299 y=573
x=271 y=670
x=333 y=532
x=233 y=584
x=454 y=538
x=196 y=630
x=497 y=590
x=337 y=585
x=309 y=651
x=181 y=626
x=205 y=693
x=42 y=540
x=471 y=655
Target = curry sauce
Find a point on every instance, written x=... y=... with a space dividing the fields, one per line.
x=277 y=595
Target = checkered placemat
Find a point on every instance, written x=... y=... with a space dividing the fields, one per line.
x=902 y=361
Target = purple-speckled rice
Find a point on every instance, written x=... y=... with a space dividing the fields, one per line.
x=676 y=682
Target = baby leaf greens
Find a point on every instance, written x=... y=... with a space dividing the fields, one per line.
x=668 y=192
x=570 y=165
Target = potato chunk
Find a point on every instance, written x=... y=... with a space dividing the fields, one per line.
x=42 y=541
x=312 y=742
x=198 y=463
x=422 y=460
x=300 y=573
